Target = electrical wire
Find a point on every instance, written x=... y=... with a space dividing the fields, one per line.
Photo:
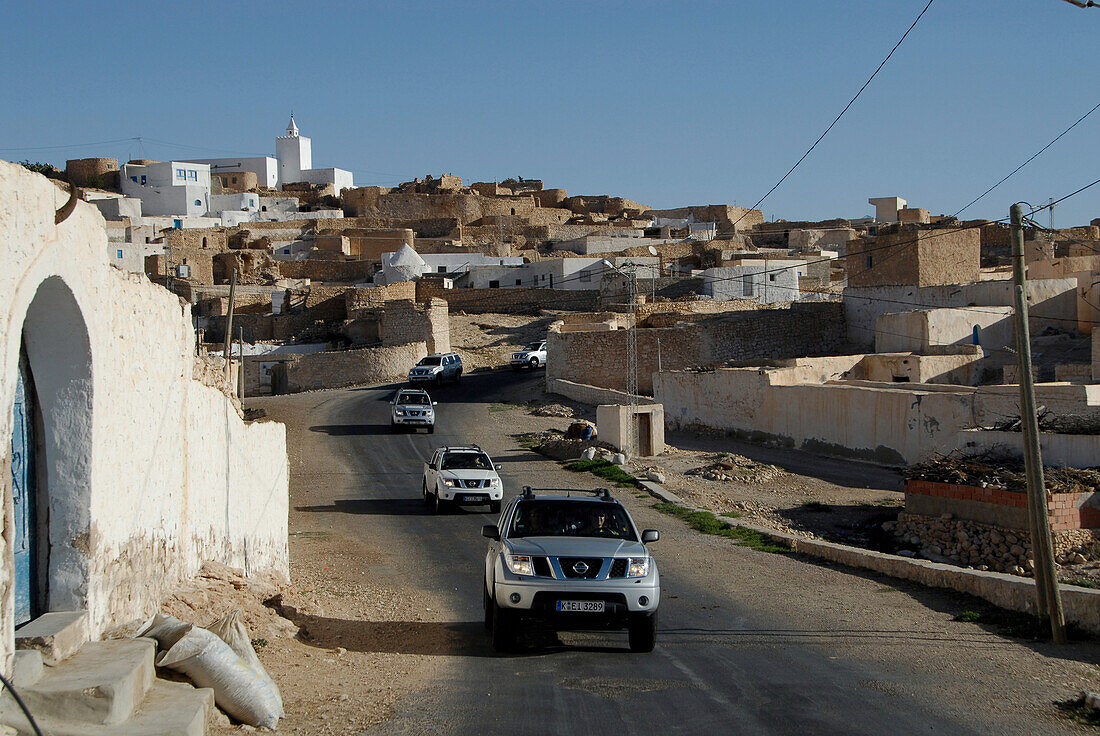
x=1033 y=157
x=838 y=117
x=22 y=705
x=71 y=145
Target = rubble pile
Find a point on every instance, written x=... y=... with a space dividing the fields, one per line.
x=736 y=468
x=986 y=547
x=553 y=410
x=1003 y=471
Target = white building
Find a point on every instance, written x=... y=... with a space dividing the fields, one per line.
x=265 y=168
x=764 y=281
x=557 y=273
x=168 y=187
x=295 y=156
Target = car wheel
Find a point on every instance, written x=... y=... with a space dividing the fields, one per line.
x=643 y=632
x=504 y=634
x=427 y=496
x=533 y=363
x=494 y=507
x=488 y=602
x=439 y=506
x=458 y=376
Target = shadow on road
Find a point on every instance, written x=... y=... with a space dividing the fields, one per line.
x=374 y=506
x=340 y=430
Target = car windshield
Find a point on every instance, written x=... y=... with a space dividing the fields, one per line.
x=430 y=360
x=466 y=461
x=412 y=399
x=567 y=518
x=533 y=346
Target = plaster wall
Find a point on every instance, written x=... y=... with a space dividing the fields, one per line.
x=149 y=471
x=919 y=330
x=763 y=281
x=265 y=168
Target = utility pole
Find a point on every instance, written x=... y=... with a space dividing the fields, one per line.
x=240 y=369
x=1042 y=548
x=228 y=346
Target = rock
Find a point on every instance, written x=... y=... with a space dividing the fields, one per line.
x=996 y=537
x=914 y=540
x=1092 y=700
x=1078 y=559
x=1011 y=538
x=1016 y=550
x=906 y=553
x=889 y=526
x=947 y=517
x=1017 y=570
x=654 y=476
x=589 y=453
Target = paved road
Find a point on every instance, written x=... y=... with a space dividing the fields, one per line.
x=721 y=665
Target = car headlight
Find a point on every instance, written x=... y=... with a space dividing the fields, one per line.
x=520 y=564
x=637 y=567
x=495 y=482
x=399 y=412
x=449 y=482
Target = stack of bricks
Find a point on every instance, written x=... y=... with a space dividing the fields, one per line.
x=1066 y=510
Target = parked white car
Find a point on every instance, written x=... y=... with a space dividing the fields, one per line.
x=412 y=409
x=531 y=356
x=461 y=476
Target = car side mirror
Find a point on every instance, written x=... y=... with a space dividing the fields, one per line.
x=435 y=403
x=650 y=535
x=491 y=531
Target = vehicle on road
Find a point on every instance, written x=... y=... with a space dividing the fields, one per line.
x=531 y=356
x=461 y=476
x=412 y=409
x=570 y=562
x=437 y=368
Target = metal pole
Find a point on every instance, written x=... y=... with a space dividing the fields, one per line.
x=240 y=368
x=228 y=346
x=1046 y=581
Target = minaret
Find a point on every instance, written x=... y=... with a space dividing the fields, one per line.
x=294 y=154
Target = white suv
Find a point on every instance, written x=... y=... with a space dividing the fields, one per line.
x=570 y=562
x=531 y=356
x=461 y=476
x=412 y=409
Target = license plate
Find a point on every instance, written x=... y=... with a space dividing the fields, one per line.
x=580 y=606
x=471 y=499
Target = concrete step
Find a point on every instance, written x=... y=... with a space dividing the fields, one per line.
x=27 y=667
x=103 y=683
x=57 y=635
x=170 y=709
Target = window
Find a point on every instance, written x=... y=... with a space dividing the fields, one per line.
x=234 y=180
x=494 y=284
x=517 y=282
x=771 y=277
x=264 y=208
x=286 y=251
x=143 y=179
x=586 y=275
x=133 y=179
x=198 y=203
x=746 y=285
x=118 y=254
x=181 y=174
x=870 y=261
x=442 y=269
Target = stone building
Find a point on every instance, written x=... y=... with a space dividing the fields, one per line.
x=127 y=464
x=913 y=255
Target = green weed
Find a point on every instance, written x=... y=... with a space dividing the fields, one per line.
x=708 y=523
x=968 y=617
x=606 y=470
x=1081 y=583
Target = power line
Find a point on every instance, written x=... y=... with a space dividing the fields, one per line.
x=70 y=145
x=838 y=117
x=1033 y=157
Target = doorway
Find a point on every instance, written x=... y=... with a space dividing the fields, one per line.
x=644 y=433
x=24 y=488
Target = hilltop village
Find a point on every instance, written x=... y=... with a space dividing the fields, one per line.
x=157 y=307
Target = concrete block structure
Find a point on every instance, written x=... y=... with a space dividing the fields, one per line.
x=912 y=255
x=613 y=425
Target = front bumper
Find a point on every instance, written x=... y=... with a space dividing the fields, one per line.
x=414 y=421
x=430 y=378
x=471 y=495
x=538 y=597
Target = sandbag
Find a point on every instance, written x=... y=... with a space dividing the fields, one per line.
x=238 y=689
x=230 y=629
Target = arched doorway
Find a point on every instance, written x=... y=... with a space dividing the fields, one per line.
x=55 y=434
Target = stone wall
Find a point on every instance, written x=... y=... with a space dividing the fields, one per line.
x=909 y=255
x=148 y=472
x=214 y=238
x=509 y=301
x=325 y=271
x=368 y=298
x=594 y=395
x=336 y=369
x=600 y=358
x=101 y=173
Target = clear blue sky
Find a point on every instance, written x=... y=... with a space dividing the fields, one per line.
x=665 y=103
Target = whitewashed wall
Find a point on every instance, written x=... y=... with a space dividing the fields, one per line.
x=149 y=472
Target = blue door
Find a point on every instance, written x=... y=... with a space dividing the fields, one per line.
x=23 y=492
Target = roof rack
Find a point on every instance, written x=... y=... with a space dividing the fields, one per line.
x=605 y=494
x=462 y=447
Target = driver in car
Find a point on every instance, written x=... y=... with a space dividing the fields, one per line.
x=603 y=525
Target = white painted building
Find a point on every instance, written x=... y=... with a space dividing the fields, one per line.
x=265 y=168
x=144 y=469
x=764 y=281
x=168 y=187
x=295 y=155
x=557 y=273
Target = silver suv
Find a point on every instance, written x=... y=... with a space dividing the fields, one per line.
x=412 y=409
x=461 y=476
x=570 y=562
x=437 y=368
x=531 y=356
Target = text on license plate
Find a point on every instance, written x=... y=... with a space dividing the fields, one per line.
x=580 y=606
x=471 y=498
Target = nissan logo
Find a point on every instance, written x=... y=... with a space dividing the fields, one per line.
x=580 y=568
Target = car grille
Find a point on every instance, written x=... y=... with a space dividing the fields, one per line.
x=618 y=568
x=475 y=483
x=569 y=565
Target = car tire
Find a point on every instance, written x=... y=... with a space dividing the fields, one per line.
x=439 y=506
x=427 y=496
x=487 y=604
x=494 y=507
x=533 y=363
x=643 y=632
x=458 y=376
x=502 y=629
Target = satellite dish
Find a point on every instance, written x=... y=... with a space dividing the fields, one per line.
x=652 y=251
